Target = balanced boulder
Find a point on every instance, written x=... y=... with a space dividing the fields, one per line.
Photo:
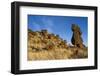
x=76 y=37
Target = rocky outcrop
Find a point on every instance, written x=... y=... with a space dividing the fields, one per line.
x=43 y=45
x=77 y=40
x=46 y=46
x=44 y=40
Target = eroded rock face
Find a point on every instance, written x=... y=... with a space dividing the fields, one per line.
x=76 y=37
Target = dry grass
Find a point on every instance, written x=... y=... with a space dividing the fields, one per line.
x=55 y=54
x=49 y=55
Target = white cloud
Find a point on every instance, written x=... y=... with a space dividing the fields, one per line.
x=36 y=26
x=48 y=24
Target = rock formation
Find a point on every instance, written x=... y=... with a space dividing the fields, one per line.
x=43 y=45
x=77 y=40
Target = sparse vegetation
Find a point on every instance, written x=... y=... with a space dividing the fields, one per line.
x=45 y=46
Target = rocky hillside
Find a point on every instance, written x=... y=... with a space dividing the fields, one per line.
x=43 y=45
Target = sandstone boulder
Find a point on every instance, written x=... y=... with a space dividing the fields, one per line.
x=76 y=37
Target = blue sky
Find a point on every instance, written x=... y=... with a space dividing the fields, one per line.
x=59 y=25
